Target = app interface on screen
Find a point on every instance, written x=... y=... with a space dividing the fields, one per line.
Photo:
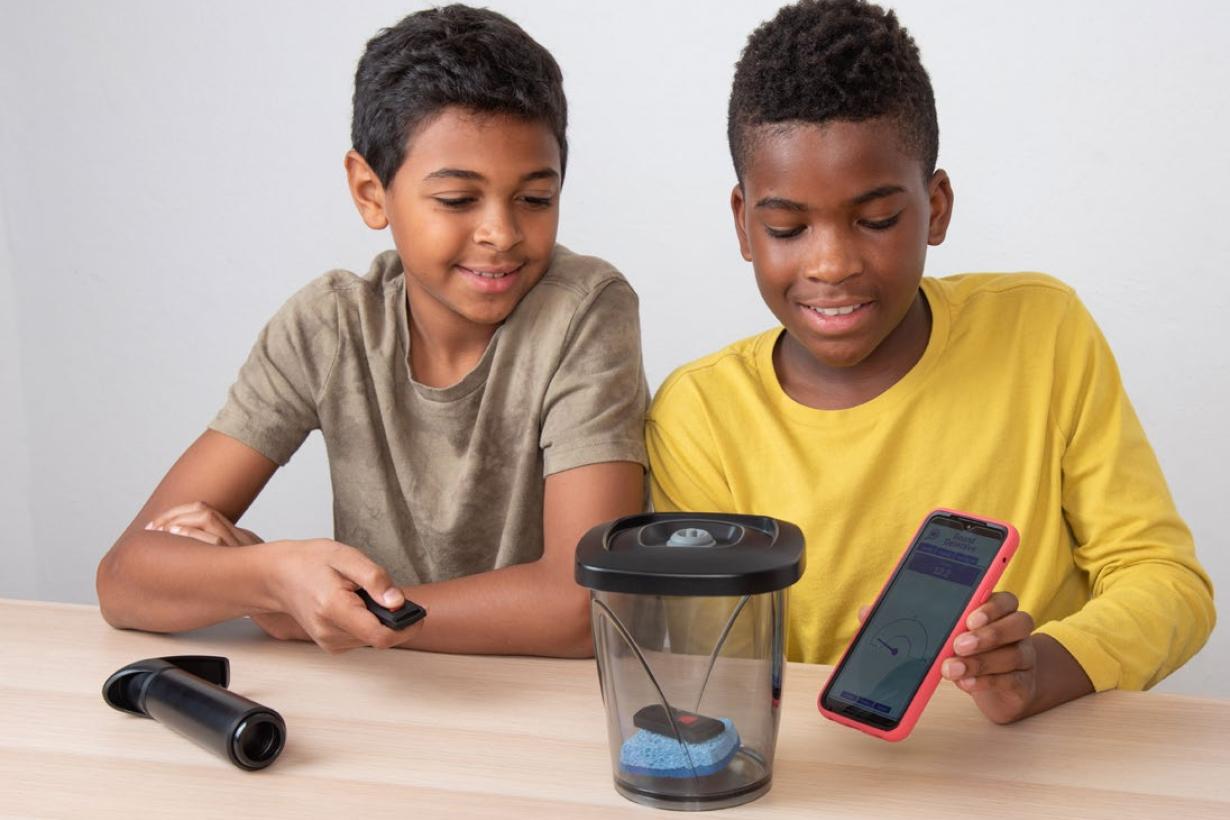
x=907 y=630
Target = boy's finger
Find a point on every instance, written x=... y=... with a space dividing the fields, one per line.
x=163 y=518
x=335 y=641
x=1006 y=683
x=195 y=533
x=247 y=536
x=281 y=626
x=999 y=605
x=1014 y=627
x=863 y=611
x=207 y=521
x=996 y=607
x=998 y=661
x=361 y=570
x=349 y=615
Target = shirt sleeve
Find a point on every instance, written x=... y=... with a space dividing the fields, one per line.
x=1151 y=605
x=272 y=406
x=685 y=470
x=594 y=408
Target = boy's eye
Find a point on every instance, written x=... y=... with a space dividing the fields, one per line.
x=882 y=224
x=455 y=203
x=783 y=233
x=538 y=201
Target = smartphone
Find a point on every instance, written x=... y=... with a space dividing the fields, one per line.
x=892 y=665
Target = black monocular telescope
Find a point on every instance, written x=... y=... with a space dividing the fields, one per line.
x=187 y=693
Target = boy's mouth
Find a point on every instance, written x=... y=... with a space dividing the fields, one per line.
x=835 y=318
x=491 y=278
x=491 y=272
x=845 y=310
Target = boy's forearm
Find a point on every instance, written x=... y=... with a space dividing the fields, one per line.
x=167 y=583
x=1060 y=678
x=535 y=608
x=527 y=609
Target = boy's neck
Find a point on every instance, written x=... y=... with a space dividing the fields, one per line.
x=824 y=387
x=444 y=347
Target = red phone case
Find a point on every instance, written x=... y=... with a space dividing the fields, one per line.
x=998 y=564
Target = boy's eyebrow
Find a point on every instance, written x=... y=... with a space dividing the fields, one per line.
x=541 y=173
x=462 y=173
x=877 y=193
x=454 y=173
x=781 y=203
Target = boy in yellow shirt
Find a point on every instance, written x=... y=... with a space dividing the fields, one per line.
x=886 y=394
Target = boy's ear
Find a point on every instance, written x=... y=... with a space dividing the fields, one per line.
x=939 y=192
x=737 y=206
x=366 y=191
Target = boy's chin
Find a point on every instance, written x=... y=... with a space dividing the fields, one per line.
x=488 y=317
x=832 y=355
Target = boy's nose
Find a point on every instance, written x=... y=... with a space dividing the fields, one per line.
x=832 y=259
x=498 y=230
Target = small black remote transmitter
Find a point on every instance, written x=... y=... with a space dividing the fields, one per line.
x=409 y=613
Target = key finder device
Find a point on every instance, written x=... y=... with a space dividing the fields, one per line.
x=397 y=619
x=187 y=694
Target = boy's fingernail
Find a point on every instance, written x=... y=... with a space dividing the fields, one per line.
x=954 y=669
x=149 y=526
x=392 y=597
x=978 y=619
x=965 y=643
x=175 y=528
x=966 y=683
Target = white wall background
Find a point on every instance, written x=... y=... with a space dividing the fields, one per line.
x=171 y=172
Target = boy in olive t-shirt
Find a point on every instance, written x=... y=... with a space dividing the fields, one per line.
x=480 y=390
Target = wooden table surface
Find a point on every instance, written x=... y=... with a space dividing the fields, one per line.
x=407 y=734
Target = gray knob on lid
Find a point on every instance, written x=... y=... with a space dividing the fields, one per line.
x=691 y=537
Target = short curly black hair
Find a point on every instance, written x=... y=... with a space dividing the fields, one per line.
x=819 y=61
x=455 y=55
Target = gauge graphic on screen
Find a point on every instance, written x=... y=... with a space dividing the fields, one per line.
x=903 y=639
x=896 y=662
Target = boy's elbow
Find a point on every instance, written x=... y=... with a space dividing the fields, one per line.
x=577 y=639
x=103 y=583
x=107 y=585
x=1204 y=614
x=582 y=645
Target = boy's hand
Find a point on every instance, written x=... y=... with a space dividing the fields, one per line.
x=315 y=582
x=995 y=660
x=200 y=521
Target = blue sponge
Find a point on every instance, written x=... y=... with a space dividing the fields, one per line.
x=655 y=755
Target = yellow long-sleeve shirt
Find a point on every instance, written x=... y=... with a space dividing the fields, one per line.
x=1015 y=411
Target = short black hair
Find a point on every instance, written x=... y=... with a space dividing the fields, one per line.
x=455 y=55
x=820 y=61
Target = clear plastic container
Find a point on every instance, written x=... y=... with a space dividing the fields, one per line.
x=688 y=635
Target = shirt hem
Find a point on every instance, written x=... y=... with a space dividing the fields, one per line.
x=557 y=461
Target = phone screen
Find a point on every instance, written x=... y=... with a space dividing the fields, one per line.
x=904 y=634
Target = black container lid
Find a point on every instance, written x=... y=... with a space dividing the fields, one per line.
x=691 y=554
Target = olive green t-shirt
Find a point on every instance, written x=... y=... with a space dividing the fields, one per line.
x=435 y=483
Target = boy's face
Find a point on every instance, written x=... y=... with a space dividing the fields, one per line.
x=836 y=219
x=473 y=210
